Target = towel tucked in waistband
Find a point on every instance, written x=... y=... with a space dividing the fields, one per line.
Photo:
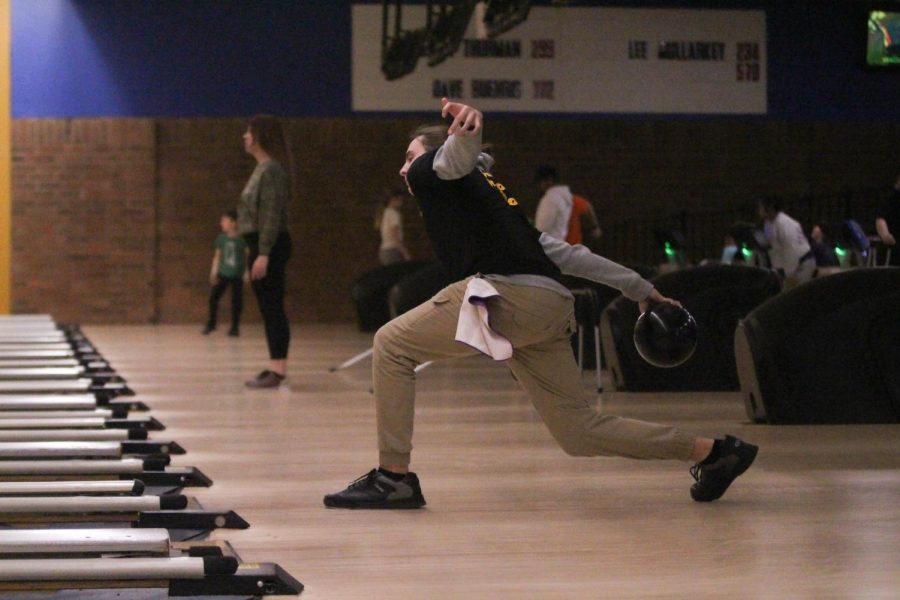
x=474 y=328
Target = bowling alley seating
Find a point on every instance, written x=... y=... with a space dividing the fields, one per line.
x=879 y=253
x=384 y=293
x=370 y=292
x=586 y=339
x=416 y=288
x=825 y=352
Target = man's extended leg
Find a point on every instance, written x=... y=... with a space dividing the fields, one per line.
x=549 y=374
x=425 y=333
x=539 y=323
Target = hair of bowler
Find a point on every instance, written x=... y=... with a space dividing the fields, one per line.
x=431 y=136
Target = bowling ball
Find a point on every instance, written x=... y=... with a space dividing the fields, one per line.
x=665 y=335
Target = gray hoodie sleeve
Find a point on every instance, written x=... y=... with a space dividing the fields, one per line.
x=581 y=262
x=457 y=156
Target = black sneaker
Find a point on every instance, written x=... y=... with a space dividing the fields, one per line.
x=208 y=329
x=713 y=479
x=234 y=332
x=376 y=490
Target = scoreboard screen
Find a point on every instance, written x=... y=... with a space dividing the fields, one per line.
x=883 y=49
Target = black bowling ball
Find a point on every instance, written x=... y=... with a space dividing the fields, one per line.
x=665 y=335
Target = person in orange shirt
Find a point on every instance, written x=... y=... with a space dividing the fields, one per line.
x=583 y=218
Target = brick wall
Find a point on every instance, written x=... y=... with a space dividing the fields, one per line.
x=341 y=169
x=83 y=219
x=113 y=219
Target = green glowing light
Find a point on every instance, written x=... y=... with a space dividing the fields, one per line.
x=670 y=252
x=840 y=252
x=747 y=252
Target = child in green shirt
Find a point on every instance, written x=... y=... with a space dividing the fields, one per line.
x=229 y=267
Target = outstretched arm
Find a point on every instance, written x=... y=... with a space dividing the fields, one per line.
x=581 y=262
x=459 y=154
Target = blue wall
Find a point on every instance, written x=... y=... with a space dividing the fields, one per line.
x=88 y=58
x=816 y=64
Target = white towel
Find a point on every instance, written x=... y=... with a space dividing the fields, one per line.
x=473 y=327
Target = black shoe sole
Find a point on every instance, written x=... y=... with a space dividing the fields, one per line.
x=754 y=450
x=406 y=504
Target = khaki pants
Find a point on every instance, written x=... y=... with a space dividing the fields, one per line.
x=538 y=323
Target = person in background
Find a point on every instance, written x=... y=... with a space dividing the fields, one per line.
x=730 y=252
x=583 y=220
x=887 y=223
x=262 y=220
x=790 y=254
x=229 y=268
x=555 y=206
x=389 y=222
x=822 y=252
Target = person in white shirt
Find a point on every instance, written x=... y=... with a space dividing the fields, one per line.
x=389 y=223
x=555 y=206
x=790 y=254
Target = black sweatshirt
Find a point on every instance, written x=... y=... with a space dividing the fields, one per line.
x=475 y=225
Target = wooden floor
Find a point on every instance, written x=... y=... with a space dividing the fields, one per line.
x=509 y=515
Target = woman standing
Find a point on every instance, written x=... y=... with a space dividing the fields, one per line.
x=262 y=220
